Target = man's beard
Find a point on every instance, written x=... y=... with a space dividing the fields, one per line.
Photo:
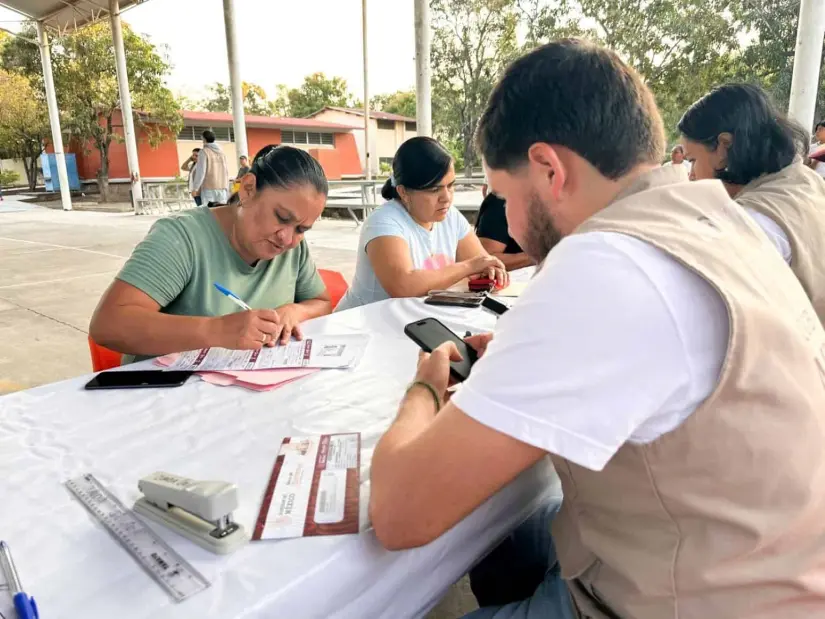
x=542 y=234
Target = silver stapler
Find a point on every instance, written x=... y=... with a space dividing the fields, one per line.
x=198 y=510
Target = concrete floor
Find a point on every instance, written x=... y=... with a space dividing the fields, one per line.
x=54 y=266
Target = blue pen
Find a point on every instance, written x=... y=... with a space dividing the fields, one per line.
x=23 y=604
x=232 y=297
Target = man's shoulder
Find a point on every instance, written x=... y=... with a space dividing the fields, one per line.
x=584 y=263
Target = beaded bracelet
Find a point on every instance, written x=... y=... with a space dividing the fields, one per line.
x=430 y=388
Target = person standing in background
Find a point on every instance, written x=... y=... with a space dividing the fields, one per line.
x=187 y=166
x=211 y=174
x=244 y=169
x=677 y=158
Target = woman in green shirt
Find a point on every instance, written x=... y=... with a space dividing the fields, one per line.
x=164 y=299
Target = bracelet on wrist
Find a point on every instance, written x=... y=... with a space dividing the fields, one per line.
x=430 y=388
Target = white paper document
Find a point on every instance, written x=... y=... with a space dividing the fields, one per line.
x=325 y=351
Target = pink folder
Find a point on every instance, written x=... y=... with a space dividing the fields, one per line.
x=255 y=380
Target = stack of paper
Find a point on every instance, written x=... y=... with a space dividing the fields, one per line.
x=270 y=368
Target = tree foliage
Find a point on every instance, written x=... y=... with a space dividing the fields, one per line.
x=255 y=101
x=473 y=40
x=24 y=123
x=401 y=102
x=682 y=48
x=87 y=91
x=315 y=93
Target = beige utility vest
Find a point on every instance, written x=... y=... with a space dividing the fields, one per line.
x=217 y=176
x=794 y=198
x=723 y=517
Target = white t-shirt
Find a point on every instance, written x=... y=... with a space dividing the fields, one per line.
x=612 y=341
x=687 y=165
x=429 y=249
x=775 y=233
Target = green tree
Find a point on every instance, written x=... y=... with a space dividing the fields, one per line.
x=682 y=48
x=401 y=102
x=87 y=91
x=255 y=101
x=315 y=93
x=24 y=123
x=473 y=40
x=771 y=27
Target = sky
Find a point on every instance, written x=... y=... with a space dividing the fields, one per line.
x=279 y=41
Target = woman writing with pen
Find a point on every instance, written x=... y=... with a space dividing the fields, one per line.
x=164 y=299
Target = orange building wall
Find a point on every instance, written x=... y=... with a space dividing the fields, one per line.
x=257 y=138
x=162 y=161
x=349 y=161
x=159 y=161
x=330 y=160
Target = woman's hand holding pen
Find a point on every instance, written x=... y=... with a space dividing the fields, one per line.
x=254 y=329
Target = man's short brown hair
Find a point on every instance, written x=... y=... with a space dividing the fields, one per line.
x=574 y=94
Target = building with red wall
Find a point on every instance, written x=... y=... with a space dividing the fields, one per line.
x=332 y=144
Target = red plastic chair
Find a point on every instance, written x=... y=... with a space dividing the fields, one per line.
x=336 y=285
x=103 y=358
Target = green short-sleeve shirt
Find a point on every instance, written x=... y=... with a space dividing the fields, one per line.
x=183 y=256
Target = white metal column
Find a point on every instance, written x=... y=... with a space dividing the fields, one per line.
x=235 y=83
x=807 y=59
x=54 y=118
x=423 y=93
x=125 y=101
x=367 y=144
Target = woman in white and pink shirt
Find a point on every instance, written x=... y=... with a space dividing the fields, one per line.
x=417 y=241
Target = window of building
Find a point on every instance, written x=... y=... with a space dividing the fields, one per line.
x=410 y=126
x=195 y=133
x=312 y=138
x=386 y=124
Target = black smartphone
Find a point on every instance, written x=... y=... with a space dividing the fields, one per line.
x=139 y=379
x=494 y=305
x=453 y=301
x=430 y=333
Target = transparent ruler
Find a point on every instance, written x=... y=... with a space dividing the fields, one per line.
x=167 y=567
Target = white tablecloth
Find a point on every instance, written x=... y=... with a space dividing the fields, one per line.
x=75 y=569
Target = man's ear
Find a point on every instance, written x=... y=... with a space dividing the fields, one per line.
x=546 y=160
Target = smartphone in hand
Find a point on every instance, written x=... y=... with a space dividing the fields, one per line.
x=430 y=333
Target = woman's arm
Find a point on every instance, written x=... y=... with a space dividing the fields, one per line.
x=511 y=261
x=129 y=321
x=390 y=259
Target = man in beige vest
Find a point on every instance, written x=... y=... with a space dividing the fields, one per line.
x=736 y=134
x=664 y=356
x=211 y=175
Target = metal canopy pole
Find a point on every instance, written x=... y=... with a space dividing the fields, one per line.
x=423 y=93
x=125 y=101
x=54 y=117
x=367 y=160
x=807 y=59
x=235 y=83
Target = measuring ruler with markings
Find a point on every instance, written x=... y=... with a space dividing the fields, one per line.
x=167 y=567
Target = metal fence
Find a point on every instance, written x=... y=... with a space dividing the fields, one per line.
x=352 y=195
x=164 y=198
